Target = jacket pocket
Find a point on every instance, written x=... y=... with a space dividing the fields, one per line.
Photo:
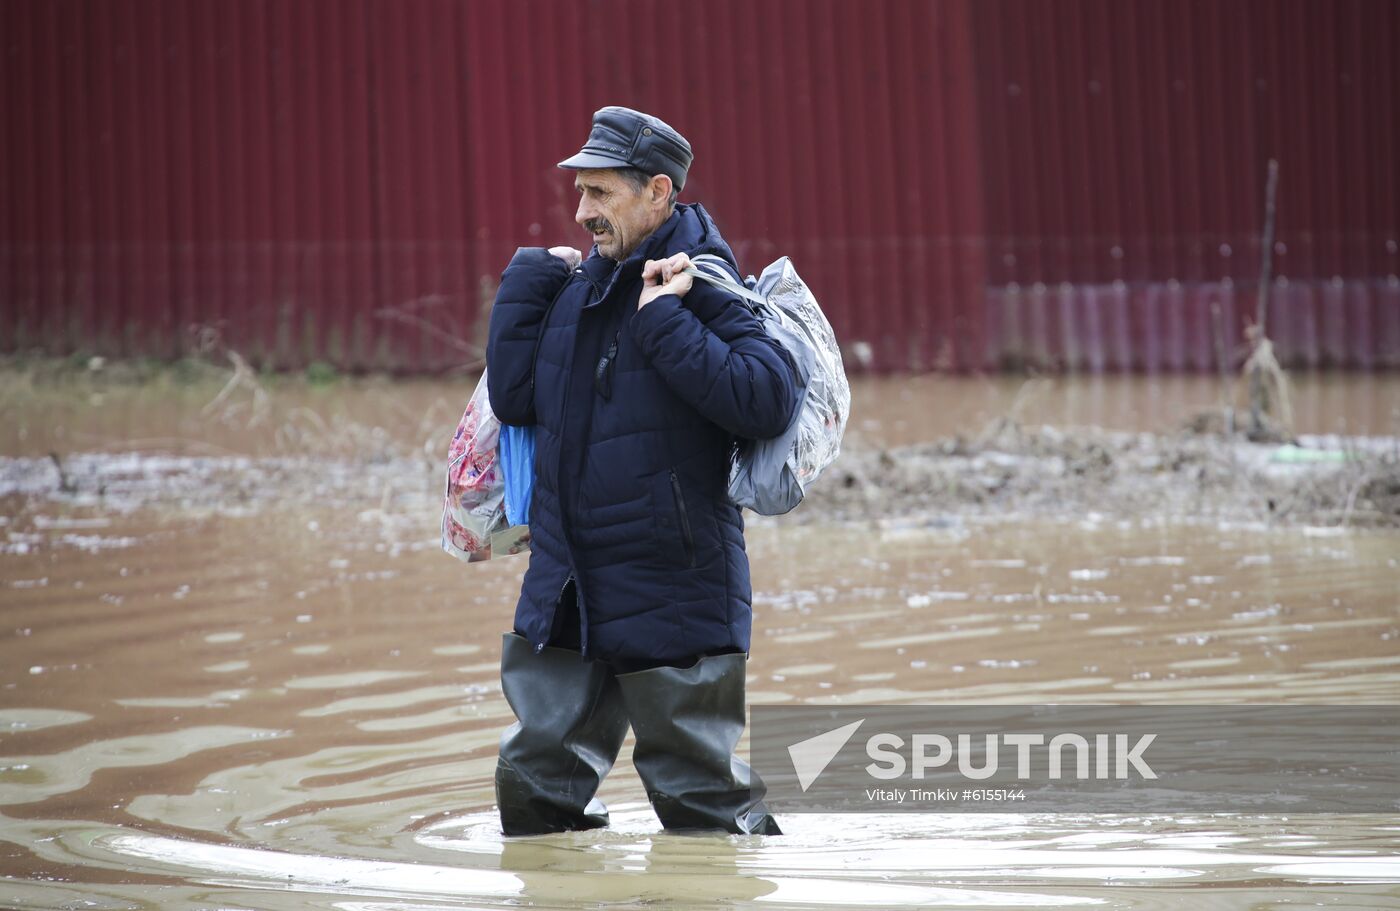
x=673 y=539
x=683 y=519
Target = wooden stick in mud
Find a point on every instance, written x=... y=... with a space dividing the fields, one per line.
x=1262 y=364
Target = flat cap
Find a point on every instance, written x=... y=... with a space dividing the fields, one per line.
x=622 y=137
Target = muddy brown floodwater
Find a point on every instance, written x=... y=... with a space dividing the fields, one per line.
x=288 y=700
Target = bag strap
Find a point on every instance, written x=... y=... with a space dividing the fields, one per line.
x=707 y=267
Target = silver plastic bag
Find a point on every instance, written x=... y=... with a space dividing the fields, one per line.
x=771 y=476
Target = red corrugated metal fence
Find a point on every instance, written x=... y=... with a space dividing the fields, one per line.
x=966 y=184
x=1124 y=147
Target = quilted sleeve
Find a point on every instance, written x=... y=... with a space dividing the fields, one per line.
x=529 y=284
x=713 y=353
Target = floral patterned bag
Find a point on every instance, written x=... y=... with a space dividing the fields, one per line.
x=474 y=524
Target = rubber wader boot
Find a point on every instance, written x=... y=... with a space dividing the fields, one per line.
x=687 y=722
x=570 y=728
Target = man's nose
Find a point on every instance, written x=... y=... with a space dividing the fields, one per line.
x=584 y=213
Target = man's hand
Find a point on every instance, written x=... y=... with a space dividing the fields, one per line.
x=569 y=255
x=664 y=276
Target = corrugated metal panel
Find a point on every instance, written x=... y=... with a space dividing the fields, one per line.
x=1125 y=147
x=1167 y=326
x=1069 y=183
x=325 y=179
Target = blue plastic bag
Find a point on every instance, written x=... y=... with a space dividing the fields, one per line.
x=517 y=450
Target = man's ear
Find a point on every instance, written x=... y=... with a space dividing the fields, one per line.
x=660 y=188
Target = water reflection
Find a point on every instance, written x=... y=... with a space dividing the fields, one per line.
x=347 y=761
x=936 y=861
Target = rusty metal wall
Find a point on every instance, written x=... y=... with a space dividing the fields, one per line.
x=966 y=184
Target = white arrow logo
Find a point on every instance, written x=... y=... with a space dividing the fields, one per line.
x=810 y=757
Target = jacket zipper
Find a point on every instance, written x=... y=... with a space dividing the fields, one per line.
x=559 y=601
x=573 y=573
x=568 y=545
x=684 y=519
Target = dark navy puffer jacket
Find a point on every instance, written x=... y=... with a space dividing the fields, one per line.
x=632 y=456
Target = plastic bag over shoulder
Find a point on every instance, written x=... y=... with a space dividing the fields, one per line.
x=772 y=476
x=823 y=414
x=474 y=523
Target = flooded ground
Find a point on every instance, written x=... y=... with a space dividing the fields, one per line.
x=230 y=680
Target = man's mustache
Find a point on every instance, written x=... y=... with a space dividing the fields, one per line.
x=595 y=225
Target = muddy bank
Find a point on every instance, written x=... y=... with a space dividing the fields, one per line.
x=1013 y=470
x=1009 y=472
x=205 y=439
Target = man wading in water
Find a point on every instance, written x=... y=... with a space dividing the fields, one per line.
x=636 y=603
